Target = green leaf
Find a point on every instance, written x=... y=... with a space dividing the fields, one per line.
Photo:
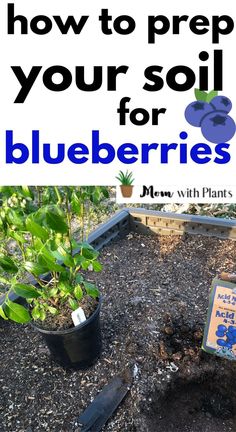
x=211 y=95
x=42 y=314
x=16 y=236
x=17 y=312
x=16 y=219
x=97 y=266
x=76 y=204
x=35 y=313
x=66 y=257
x=105 y=191
x=27 y=192
x=95 y=197
x=73 y=304
x=53 y=266
x=91 y=289
x=79 y=260
x=56 y=255
x=65 y=287
x=50 y=264
x=36 y=229
x=200 y=95
x=78 y=292
x=52 y=310
x=53 y=292
x=7 y=190
x=26 y=291
x=89 y=253
x=79 y=278
x=4 y=280
x=42 y=249
x=64 y=276
x=85 y=264
x=34 y=268
x=75 y=244
x=7 y=264
x=56 y=222
x=2 y=313
x=40 y=216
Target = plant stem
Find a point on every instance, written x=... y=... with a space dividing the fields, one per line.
x=69 y=237
x=89 y=221
x=38 y=280
x=69 y=217
x=39 y=192
x=59 y=200
x=82 y=221
x=22 y=251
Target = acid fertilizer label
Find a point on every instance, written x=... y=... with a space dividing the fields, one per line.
x=220 y=330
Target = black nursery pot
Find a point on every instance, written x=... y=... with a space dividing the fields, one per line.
x=78 y=347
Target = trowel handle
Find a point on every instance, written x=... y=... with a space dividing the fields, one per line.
x=230 y=277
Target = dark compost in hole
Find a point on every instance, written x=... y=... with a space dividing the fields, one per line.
x=204 y=405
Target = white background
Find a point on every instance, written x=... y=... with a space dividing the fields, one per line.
x=70 y=116
x=181 y=194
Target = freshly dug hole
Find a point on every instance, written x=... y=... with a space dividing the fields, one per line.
x=205 y=404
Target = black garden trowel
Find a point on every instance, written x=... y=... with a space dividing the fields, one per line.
x=103 y=406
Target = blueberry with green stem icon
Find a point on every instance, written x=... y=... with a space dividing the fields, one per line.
x=210 y=112
x=198 y=109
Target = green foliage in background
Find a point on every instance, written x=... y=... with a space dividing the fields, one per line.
x=39 y=221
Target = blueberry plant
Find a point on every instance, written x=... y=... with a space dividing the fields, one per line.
x=40 y=220
x=210 y=113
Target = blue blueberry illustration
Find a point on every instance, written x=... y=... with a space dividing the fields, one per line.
x=220 y=334
x=222 y=328
x=210 y=112
x=232 y=329
x=221 y=103
x=230 y=341
x=218 y=127
x=195 y=112
x=230 y=336
x=221 y=342
x=228 y=345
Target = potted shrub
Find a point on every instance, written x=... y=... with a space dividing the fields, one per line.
x=126 y=180
x=59 y=265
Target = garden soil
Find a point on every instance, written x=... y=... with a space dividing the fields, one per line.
x=155 y=296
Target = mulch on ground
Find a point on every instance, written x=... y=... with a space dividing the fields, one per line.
x=155 y=296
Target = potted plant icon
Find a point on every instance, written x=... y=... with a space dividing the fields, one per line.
x=126 y=180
